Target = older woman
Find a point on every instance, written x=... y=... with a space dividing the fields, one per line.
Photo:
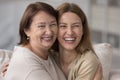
x=31 y=59
x=75 y=55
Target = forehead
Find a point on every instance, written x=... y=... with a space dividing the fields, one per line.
x=70 y=16
x=43 y=16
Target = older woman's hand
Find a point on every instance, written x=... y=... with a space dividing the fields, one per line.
x=4 y=68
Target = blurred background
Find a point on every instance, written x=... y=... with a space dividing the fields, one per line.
x=103 y=17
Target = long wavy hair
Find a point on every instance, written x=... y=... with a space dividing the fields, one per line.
x=85 y=43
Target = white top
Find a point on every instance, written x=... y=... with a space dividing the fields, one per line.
x=25 y=65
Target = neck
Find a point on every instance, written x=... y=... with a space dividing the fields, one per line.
x=39 y=52
x=66 y=58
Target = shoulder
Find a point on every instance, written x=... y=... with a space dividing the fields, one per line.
x=85 y=66
x=90 y=57
x=86 y=62
x=23 y=57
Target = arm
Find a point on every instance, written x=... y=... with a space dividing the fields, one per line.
x=85 y=67
x=99 y=73
x=33 y=75
x=38 y=75
x=87 y=71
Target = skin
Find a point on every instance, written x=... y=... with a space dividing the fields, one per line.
x=4 y=69
x=69 y=30
x=42 y=34
x=69 y=36
x=99 y=73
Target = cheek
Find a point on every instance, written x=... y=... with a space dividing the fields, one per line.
x=60 y=36
x=79 y=34
x=55 y=30
x=60 y=33
x=37 y=33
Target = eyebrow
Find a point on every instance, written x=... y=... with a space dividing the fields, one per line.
x=40 y=23
x=53 y=22
x=77 y=23
x=72 y=24
x=45 y=22
x=63 y=23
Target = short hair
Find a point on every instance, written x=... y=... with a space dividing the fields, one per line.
x=85 y=43
x=31 y=10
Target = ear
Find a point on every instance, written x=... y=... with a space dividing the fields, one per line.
x=27 y=32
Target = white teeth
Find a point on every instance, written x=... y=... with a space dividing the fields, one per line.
x=70 y=39
x=47 y=38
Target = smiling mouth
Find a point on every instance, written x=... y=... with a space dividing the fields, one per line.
x=69 y=40
x=47 y=38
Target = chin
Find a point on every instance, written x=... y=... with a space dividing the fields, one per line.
x=69 y=48
x=48 y=46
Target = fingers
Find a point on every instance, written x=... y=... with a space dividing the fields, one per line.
x=4 y=69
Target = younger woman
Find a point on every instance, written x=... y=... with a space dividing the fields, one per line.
x=76 y=56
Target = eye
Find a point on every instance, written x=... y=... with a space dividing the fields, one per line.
x=53 y=24
x=41 y=26
x=76 y=25
x=62 y=26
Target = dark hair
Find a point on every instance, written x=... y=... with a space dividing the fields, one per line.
x=85 y=43
x=31 y=10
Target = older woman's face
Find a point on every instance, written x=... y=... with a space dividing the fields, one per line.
x=43 y=30
x=70 y=30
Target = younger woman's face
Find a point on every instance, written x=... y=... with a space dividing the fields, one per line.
x=70 y=31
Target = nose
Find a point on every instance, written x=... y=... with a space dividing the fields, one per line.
x=69 y=31
x=48 y=30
